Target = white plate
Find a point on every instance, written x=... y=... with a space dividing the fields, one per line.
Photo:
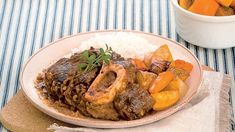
x=58 y=49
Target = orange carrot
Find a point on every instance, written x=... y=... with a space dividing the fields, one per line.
x=204 y=7
x=181 y=69
x=225 y=2
x=185 y=3
x=233 y=4
x=161 y=82
x=181 y=64
x=139 y=64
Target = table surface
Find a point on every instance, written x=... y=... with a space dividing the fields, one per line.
x=27 y=25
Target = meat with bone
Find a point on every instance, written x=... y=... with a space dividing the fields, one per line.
x=112 y=92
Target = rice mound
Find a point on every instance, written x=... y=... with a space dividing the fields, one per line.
x=128 y=45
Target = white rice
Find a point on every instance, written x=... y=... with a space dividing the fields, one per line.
x=128 y=45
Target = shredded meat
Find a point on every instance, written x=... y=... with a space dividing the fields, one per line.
x=133 y=103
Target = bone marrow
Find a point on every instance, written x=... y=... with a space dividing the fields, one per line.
x=111 y=80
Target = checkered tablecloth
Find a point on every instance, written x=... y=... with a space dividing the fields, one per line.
x=27 y=25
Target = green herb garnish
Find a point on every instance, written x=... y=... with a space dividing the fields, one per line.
x=91 y=61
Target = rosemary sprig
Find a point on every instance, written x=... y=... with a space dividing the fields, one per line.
x=91 y=61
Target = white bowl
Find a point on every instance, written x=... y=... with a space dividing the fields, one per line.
x=206 y=31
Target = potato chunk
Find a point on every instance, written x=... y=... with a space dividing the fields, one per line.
x=162 y=53
x=165 y=99
x=145 y=79
x=224 y=11
x=148 y=59
x=178 y=85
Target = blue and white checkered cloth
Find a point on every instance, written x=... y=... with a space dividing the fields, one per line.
x=27 y=25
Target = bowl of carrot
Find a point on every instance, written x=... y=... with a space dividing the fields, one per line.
x=206 y=23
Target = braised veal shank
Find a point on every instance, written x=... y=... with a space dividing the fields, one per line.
x=116 y=96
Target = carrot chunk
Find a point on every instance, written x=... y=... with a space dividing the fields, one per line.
x=139 y=64
x=181 y=69
x=161 y=82
x=185 y=3
x=204 y=7
x=233 y=4
x=181 y=64
x=225 y=2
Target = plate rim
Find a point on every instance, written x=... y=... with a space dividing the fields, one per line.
x=121 y=124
